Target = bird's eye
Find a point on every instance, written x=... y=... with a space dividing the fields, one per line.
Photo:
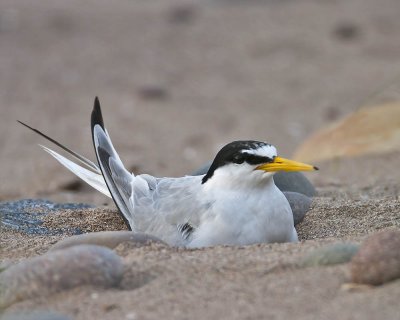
x=239 y=158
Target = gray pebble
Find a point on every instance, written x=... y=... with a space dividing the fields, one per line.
x=294 y=182
x=34 y=315
x=299 y=203
x=202 y=170
x=5 y=264
x=109 y=239
x=378 y=260
x=285 y=181
x=60 y=270
x=330 y=255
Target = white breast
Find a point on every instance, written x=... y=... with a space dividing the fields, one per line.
x=242 y=217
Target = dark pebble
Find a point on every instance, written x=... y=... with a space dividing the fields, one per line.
x=202 y=170
x=294 y=182
x=153 y=92
x=347 y=31
x=60 y=270
x=299 y=203
x=182 y=14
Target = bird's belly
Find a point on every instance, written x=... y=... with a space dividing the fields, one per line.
x=247 y=222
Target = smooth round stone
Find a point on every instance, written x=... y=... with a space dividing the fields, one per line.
x=378 y=260
x=285 y=181
x=60 y=270
x=202 y=170
x=4 y=265
x=294 y=182
x=35 y=315
x=109 y=239
x=330 y=255
x=299 y=203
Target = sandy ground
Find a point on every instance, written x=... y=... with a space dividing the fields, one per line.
x=178 y=79
x=252 y=282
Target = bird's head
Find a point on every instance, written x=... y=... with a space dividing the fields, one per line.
x=249 y=163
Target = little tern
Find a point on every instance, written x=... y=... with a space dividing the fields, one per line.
x=235 y=203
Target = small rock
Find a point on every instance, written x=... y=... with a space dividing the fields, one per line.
x=347 y=31
x=202 y=170
x=378 y=260
x=5 y=264
x=153 y=92
x=182 y=14
x=73 y=185
x=60 y=270
x=299 y=203
x=109 y=239
x=294 y=182
x=285 y=181
x=330 y=255
x=35 y=315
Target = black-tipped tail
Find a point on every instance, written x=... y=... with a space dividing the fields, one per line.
x=97 y=117
x=115 y=175
x=82 y=159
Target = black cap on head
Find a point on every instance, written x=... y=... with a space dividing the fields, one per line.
x=234 y=152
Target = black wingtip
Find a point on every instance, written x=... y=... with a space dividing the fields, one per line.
x=97 y=117
x=33 y=129
x=24 y=124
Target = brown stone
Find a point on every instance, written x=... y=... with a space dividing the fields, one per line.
x=367 y=131
x=378 y=259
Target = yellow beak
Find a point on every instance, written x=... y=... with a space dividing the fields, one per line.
x=282 y=164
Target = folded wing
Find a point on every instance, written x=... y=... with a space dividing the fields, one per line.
x=121 y=183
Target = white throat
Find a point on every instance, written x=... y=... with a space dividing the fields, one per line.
x=239 y=176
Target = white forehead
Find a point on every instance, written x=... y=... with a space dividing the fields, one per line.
x=263 y=151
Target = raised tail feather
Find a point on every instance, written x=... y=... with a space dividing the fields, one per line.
x=119 y=181
x=93 y=177
x=109 y=177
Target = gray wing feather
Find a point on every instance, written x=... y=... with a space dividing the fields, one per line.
x=172 y=203
x=166 y=207
x=118 y=179
x=155 y=206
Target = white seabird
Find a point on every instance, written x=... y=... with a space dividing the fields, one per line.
x=235 y=203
